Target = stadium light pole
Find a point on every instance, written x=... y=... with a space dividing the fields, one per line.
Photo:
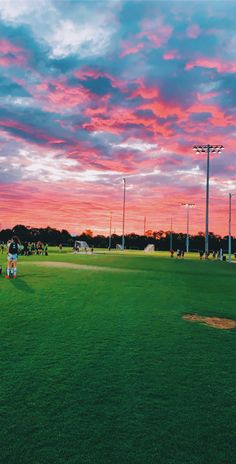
x=230 y=216
x=123 y=222
x=171 y=235
x=109 y=245
x=187 y=205
x=208 y=149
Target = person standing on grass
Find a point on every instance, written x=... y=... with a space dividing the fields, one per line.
x=201 y=253
x=45 y=249
x=13 y=251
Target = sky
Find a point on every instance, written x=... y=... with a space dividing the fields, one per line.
x=92 y=92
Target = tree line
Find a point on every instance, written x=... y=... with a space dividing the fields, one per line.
x=161 y=239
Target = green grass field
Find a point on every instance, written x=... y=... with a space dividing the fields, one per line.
x=98 y=366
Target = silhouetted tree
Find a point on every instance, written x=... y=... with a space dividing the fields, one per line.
x=161 y=238
x=22 y=232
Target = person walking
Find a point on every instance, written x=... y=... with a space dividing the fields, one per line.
x=13 y=251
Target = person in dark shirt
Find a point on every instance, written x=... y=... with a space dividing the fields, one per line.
x=13 y=252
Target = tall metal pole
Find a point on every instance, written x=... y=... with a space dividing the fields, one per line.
x=109 y=246
x=207 y=149
x=144 y=225
x=187 y=205
x=230 y=226
x=123 y=225
x=207 y=201
x=171 y=235
x=230 y=242
x=187 y=236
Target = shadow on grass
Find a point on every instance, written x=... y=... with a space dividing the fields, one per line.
x=20 y=284
x=38 y=276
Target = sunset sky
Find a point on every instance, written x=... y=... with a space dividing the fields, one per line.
x=95 y=91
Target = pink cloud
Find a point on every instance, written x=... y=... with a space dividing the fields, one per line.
x=68 y=97
x=58 y=95
x=129 y=49
x=171 y=55
x=8 y=47
x=151 y=201
x=193 y=31
x=232 y=168
x=206 y=96
x=163 y=109
x=218 y=117
x=28 y=130
x=93 y=158
x=96 y=111
x=64 y=96
x=144 y=91
x=42 y=87
x=117 y=118
x=156 y=31
x=104 y=125
x=86 y=73
x=212 y=63
x=92 y=206
x=12 y=55
x=7 y=61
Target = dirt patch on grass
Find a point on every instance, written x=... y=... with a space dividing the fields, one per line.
x=216 y=322
x=61 y=264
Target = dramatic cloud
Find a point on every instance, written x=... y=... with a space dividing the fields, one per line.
x=99 y=91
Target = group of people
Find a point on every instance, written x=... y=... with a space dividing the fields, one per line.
x=15 y=248
x=32 y=248
x=202 y=254
x=215 y=254
x=179 y=253
x=85 y=250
